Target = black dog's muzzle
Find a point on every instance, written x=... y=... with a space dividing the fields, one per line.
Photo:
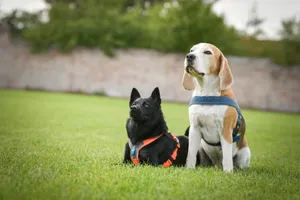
x=136 y=113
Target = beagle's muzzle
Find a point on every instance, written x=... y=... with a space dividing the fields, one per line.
x=190 y=58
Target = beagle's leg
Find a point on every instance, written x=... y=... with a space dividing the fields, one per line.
x=226 y=143
x=242 y=158
x=194 y=146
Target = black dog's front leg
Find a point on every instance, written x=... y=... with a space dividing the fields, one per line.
x=127 y=158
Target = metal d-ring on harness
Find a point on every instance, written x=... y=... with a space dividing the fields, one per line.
x=220 y=100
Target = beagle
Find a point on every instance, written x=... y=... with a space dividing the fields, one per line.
x=207 y=73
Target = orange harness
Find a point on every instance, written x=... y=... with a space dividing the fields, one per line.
x=135 y=149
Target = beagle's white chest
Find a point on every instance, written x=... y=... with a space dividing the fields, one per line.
x=208 y=119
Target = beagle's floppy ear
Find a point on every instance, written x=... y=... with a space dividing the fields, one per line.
x=187 y=81
x=226 y=78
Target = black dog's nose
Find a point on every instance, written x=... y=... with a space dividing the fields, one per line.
x=133 y=107
x=190 y=57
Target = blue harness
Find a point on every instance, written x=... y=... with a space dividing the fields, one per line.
x=220 y=100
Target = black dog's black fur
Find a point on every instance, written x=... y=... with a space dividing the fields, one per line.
x=187 y=131
x=147 y=121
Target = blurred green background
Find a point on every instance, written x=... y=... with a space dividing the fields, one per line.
x=164 y=25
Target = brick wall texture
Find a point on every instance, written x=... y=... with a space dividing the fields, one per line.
x=259 y=84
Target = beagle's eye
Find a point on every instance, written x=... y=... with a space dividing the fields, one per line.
x=207 y=52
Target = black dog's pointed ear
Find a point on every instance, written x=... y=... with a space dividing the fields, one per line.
x=134 y=95
x=156 y=95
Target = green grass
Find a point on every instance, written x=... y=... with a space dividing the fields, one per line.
x=67 y=146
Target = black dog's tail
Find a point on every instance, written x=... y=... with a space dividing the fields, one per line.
x=187 y=131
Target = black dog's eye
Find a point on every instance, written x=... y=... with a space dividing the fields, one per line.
x=146 y=105
x=207 y=52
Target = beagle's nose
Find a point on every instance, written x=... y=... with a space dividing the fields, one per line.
x=190 y=57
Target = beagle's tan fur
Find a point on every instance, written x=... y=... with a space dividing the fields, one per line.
x=207 y=73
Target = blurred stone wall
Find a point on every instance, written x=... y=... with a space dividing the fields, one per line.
x=259 y=83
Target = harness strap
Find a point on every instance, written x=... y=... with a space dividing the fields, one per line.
x=169 y=162
x=234 y=139
x=134 y=154
x=215 y=100
x=220 y=100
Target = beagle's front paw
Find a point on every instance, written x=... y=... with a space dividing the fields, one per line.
x=190 y=164
x=228 y=167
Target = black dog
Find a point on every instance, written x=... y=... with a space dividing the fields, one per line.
x=146 y=123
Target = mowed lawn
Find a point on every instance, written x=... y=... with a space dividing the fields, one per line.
x=67 y=146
